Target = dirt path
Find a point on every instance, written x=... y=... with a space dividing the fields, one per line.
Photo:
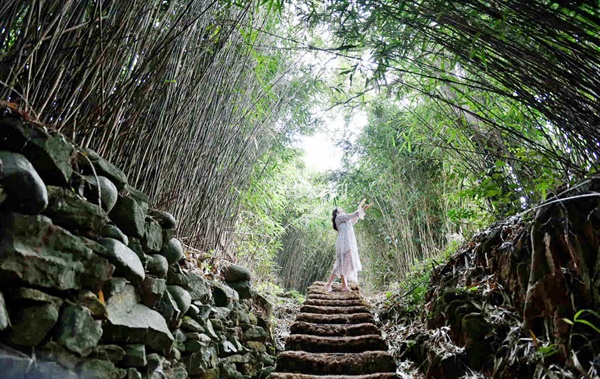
x=334 y=336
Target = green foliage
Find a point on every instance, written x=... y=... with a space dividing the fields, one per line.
x=578 y=318
x=409 y=293
x=544 y=352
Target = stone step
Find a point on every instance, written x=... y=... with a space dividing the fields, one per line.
x=320 y=290
x=334 y=302
x=302 y=362
x=287 y=375
x=334 y=286
x=334 y=296
x=300 y=327
x=322 y=309
x=331 y=344
x=355 y=318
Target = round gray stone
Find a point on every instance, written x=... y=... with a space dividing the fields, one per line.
x=165 y=219
x=157 y=265
x=127 y=263
x=111 y=231
x=21 y=187
x=172 y=250
x=181 y=297
x=108 y=191
x=236 y=273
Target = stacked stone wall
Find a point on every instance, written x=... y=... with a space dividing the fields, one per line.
x=92 y=279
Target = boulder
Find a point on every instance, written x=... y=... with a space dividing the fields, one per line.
x=181 y=297
x=74 y=213
x=24 y=295
x=228 y=370
x=240 y=358
x=77 y=330
x=111 y=231
x=165 y=219
x=194 y=346
x=172 y=250
x=113 y=353
x=50 y=154
x=180 y=338
x=167 y=234
x=212 y=373
x=203 y=360
x=129 y=213
x=226 y=348
x=152 y=291
x=89 y=300
x=176 y=276
x=221 y=313
x=127 y=263
x=155 y=369
x=256 y=333
x=177 y=371
x=152 y=240
x=217 y=324
x=157 y=265
x=135 y=245
x=101 y=167
x=135 y=356
x=191 y=325
x=223 y=295
x=168 y=308
x=114 y=286
x=130 y=322
x=256 y=346
x=32 y=323
x=242 y=288
x=97 y=369
x=193 y=311
x=100 y=190
x=21 y=188
x=199 y=337
x=203 y=310
x=210 y=331
x=52 y=351
x=236 y=273
x=44 y=255
x=132 y=373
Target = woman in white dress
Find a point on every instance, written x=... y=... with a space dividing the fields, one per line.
x=347 y=262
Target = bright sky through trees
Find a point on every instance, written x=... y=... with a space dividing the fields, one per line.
x=322 y=151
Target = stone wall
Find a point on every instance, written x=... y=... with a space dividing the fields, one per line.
x=91 y=278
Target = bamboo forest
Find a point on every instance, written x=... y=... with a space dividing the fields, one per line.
x=169 y=169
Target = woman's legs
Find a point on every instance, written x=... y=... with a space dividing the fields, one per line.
x=344 y=284
x=328 y=285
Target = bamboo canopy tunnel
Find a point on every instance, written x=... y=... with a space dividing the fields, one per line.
x=188 y=96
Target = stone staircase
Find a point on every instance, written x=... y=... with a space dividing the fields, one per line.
x=334 y=337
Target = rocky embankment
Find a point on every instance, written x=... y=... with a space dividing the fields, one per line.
x=91 y=278
x=521 y=300
x=334 y=336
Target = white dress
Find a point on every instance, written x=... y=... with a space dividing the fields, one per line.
x=347 y=262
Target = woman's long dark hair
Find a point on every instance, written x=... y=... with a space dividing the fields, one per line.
x=333 y=216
